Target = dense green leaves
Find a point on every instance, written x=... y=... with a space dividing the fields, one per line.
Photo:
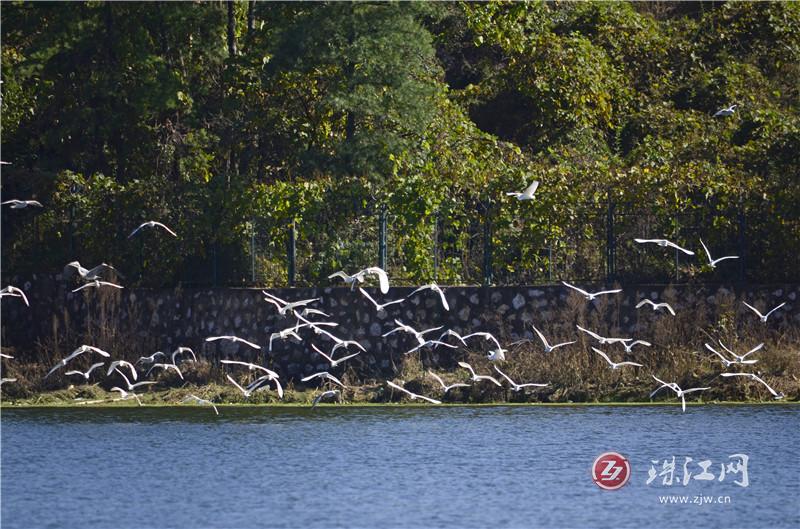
x=116 y=113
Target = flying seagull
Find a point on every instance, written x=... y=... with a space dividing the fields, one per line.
x=88 y=274
x=97 y=284
x=263 y=383
x=495 y=355
x=763 y=316
x=430 y=343
x=152 y=224
x=77 y=352
x=131 y=387
x=740 y=359
x=614 y=365
x=678 y=391
x=591 y=295
x=21 y=204
x=358 y=277
x=655 y=305
x=324 y=395
x=379 y=307
x=478 y=378
x=629 y=346
x=86 y=374
x=150 y=359
x=330 y=359
x=286 y=307
x=547 y=347
x=113 y=367
x=233 y=339
x=664 y=243
x=713 y=262
x=413 y=396
x=725 y=112
x=165 y=367
x=527 y=194
x=124 y=395
x=14 y=292
x=517 y=387
x=323 y=375
x=445 y=386
x=435 y=288
x=252 y=367
x=603 y=340
x=775 y=394
x=198 y=400
x=402 y=327
x=183 y=350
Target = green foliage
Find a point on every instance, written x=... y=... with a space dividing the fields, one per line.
x=117 y=113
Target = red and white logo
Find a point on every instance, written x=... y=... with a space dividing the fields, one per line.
x=611 y=471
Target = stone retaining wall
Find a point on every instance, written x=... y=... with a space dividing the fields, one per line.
x=140 y=321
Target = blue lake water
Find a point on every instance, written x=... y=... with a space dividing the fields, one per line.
x=394 y=467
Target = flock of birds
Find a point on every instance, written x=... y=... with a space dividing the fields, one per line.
x=128 y=374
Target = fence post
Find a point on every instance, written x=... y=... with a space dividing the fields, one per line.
x=611 y=244
x=488 y=275
x=436 y=246
x=253 y=251
x=742 y=244
x=291 y=250
x=382 y=237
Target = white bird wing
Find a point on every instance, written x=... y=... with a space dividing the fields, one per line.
x=532 y=385
x=643 y=241
x=315 y=375
x=244 y=391
x=601 y=353
x=251 y=344
x=166 y=228
x=541 y=336
x=420 y=289
x=86 y=285
x=467 y=366
x=573 y=287
x=432 y=401
x=366 y=295
x=339 y=361
x=684 y=250
x=669 y=308
x=556 y=346
x=278 y=388
x=513 y=193
x=438 y=378
x=505 y=376
x=692 y=390
x=81 y=373
x=530 y=190
x=590 y=333
x=608 y=292
x=629 y=364
x=342 y=275
x=319 y=351
x=490 y=379
x=444 y=299
x=137 y=229
x=274 y=297
x=751 y=351
x=643 y=303
x=401 y=388
x=754 y=309
x=383 y=277
x=774 y=393
x=710 y=259
x=766 y=315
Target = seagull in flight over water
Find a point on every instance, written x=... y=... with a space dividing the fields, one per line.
x=678 y=391
x=330 y=359
x=324 y=395
x=445 y=386
x=517 y=387
x=763 y=316
x=775 y=394
x=198 y=400
x=614 y=365
x=413 y=396
x=547 y=347
x=152 y=224
x=77 y=352
x=86 y=374
x=478 y=378
x=591 y=295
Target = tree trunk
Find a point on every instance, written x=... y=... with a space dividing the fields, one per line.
x=231 y=30
x=251 y=17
